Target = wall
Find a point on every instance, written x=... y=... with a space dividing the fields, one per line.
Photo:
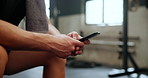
x=138 y=27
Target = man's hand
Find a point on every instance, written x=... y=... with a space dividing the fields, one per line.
x=78 y=50
x=63 y=45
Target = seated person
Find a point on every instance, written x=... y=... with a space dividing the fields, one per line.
x=21 y=49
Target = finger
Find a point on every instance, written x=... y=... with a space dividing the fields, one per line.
x=77 y=48
x=75 y=35
x=80 y=37
x=78 y=43
x=78 y=52
x=73 y=53
x=87 y=42
x=70 y=34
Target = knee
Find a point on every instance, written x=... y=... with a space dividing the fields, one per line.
x=3 y=59
x=56 y=60
x=3 y=54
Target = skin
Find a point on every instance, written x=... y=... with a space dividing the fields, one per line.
x=30 y=49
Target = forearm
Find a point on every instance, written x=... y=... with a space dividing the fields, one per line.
x=16 y=38
x=51 y=28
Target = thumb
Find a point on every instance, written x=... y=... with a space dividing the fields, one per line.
x=78 y=43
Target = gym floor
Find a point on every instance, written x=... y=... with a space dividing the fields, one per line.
x=95 y=72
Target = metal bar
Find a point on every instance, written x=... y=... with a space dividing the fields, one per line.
x=133 y=62
x=103 y=12
x=125 y=35
x=111 y=43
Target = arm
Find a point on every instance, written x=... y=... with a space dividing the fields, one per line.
x=51 y=28
x=16 y=38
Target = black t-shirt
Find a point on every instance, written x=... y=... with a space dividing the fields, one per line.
x=12 y=11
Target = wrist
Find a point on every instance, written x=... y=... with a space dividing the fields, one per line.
x=42 y=40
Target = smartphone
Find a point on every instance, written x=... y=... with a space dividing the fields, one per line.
x=89 y=36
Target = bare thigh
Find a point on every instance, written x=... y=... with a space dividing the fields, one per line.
x=22 y=60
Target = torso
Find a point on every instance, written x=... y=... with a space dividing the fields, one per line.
x=12 y=11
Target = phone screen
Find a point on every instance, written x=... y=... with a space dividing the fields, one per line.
x=89 y=36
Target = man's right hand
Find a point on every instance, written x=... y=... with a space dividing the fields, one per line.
x=63 y=45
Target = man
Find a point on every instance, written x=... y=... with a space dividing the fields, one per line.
x=21 y=50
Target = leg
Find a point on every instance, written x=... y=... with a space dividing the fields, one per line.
x=54 y=67
x=3 y=60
